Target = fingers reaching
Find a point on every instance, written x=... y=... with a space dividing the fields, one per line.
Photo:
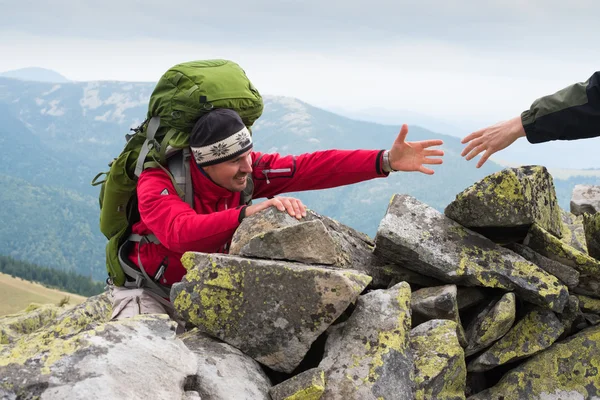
x=402 y=135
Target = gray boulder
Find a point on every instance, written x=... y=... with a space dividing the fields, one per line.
x=271 y=310
x=511 y=198
x=585 y=199
x=437 y=303
x=440 y=371
x=369 y=357
x=532 y=334
x=137 y=358
x=567 y=275
x=419 y=237
x=549 y=246
x=223 y=372
x=491 y=324
x=566 y=370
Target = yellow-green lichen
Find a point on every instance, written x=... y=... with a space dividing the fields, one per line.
x=438 y=353
x=494 y=326
x=487 y=266
x=570 y=366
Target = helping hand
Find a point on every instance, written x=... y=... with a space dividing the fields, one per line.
x=410 y=156
x=492 y=139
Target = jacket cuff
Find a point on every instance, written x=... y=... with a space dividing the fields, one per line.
x=242 y=214
x=528 y=121
x=379 y=164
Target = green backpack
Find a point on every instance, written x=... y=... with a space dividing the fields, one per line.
x=182 y=95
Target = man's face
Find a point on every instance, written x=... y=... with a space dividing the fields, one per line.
x=232 y=174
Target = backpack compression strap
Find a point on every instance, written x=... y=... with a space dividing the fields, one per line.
x=179 y=169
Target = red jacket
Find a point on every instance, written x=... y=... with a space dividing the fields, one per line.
x=209 y=227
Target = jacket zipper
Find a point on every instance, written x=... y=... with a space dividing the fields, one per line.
x=266 y=172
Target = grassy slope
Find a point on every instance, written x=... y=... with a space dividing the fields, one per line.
x=16 y=294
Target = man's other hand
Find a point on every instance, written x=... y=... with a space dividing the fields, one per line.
x=293 y=207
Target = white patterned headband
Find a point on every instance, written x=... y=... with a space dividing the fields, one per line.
x=223 y=150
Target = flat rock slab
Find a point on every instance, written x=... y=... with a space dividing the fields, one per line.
x=537 y=331
x=271 y=310
x=567 y=275
x=511 y=198
x=419 y=237
x=369 y=357
x=567 y=370
x=546 y=244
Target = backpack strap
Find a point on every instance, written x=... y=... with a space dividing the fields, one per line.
x=178 y=165
x=246 y=197
x=179 y=169
x=140 y=278
x=153 y=126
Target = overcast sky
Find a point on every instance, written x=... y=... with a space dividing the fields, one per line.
x=469 y=63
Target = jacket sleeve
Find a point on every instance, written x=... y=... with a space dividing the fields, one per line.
x=273 y=174
x=178 y=227
x=569 y=114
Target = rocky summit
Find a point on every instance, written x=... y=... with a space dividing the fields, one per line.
x=496 y=298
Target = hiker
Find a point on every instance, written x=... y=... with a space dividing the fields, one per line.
x=223 y=160
x=569 y=114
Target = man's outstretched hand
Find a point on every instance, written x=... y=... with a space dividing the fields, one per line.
x=412 y=156
x=492 y=139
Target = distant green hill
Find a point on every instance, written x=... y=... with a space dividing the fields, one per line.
x=51 y=226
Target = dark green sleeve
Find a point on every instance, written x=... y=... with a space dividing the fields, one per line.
x=569 y=114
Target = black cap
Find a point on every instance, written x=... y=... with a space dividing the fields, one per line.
x=218 y=136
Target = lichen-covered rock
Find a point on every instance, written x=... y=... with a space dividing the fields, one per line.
x=271 y=310
x=440 y=371
x=511 y=198
x=315 y=239
x=45 y=345
x=223 y=371
x=532 y=334
x=421 y=238
x=308 y=385
x=491 y=324
x=589 y=304
x=567 y=275
x=569 y=315
x=567 y=370
x=437 y=303
x=307 y=242
x=585 y=199
x=591 y=227
x=34 y=317
x=137 y=358
x=369 y=357
x=549 y=246
x=573 y=233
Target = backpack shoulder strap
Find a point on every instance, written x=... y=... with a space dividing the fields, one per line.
x=246 y=197
x=178 y=165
